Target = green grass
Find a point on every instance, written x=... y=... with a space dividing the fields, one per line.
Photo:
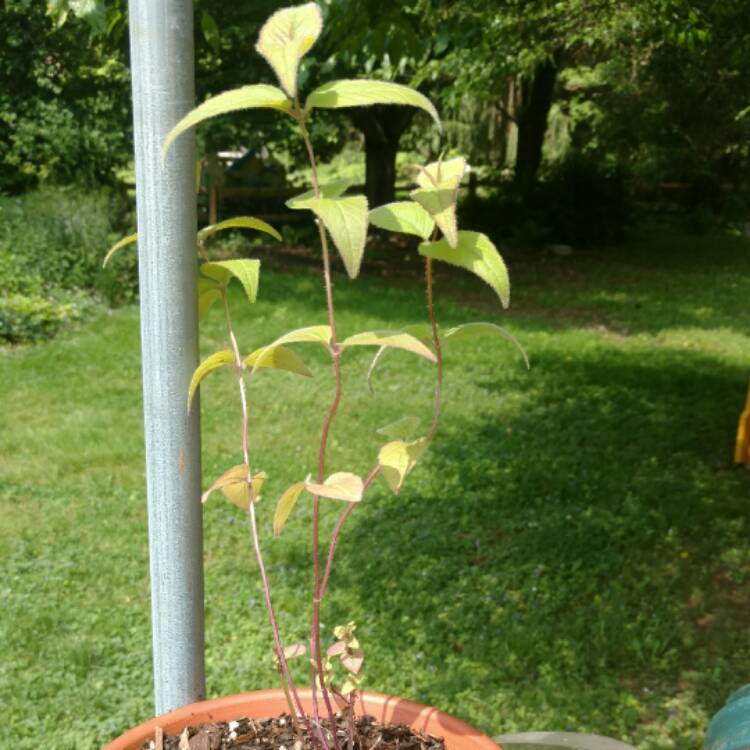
x=571 y=554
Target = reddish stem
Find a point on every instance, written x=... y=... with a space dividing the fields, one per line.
x=251 y=513
x=315 y=645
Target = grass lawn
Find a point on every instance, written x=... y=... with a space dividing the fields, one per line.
x=571 y=554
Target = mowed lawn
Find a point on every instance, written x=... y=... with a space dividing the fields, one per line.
x=573 y=553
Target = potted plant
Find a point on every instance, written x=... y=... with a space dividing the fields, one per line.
x=323 y=715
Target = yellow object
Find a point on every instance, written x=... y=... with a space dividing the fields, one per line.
x=742 y=447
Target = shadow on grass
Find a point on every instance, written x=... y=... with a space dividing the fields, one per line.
x=573 y=554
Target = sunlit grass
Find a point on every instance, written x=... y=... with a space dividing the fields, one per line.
x=571 y=554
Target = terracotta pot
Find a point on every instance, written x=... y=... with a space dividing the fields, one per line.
x=270 y=703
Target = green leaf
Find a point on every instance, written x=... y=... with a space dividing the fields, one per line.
x=475 y=252
x=258 y=95
x=346 y=222
x=210 y=31
x=403 y=216
x=310 y=334
x=401 y=429
x=246 y=271
x=277 y=358
x=235 y=487
x=398 y=458
x=469 y=330
x=440 y=204
x=208 y=293
x=364 y=92
x=216 y=360
x=330 y=190
x=238 y=222
x=339 y=486
x=285 y=505
x=129 y=240
x=438 y=192
x=393 y=339
x=442 y=174
x=285 y=37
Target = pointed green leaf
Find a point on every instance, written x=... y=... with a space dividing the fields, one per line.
x=208 y=293
x=398 y=458
x=339 y=486
x=442 y=174
x=129 y=240
x=475 y=252
x=245 y=270
x=401 y=429
x=364 y=92
x=346 y=222
x=258 y=95
x=285 y=37
x=330 y=190
x=311 y=334
x=393 y=339
x=440 y=203
x=285 y=505
x=277 y=358
x=238 y=222
x=403 y=216
x=216 y=360
x=469 y=330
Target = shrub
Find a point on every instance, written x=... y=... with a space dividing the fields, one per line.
x=27 y=318
x=51 y=246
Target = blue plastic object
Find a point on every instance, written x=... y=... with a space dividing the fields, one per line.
x=730 y=728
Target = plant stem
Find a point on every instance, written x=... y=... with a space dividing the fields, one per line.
x=251 y=510
x=438 y=352
x=337 y=531
x=315 y=645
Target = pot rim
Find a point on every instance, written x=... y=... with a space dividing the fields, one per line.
x=385 y=708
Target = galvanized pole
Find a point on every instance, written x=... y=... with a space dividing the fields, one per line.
x=161 y=45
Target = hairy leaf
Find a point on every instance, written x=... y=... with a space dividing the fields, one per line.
x=238 y=222
x=310 y=334
x=285 y=37
x=277 y=358
x=398 y=458
x=442 y=174
x=129 y=240
x=256 y=96
x=403 y=216
x=284 y=507
x=393 y=339
x=330 y=190
x=363 y=92
x=476 y=253
x=469 y=330
x=339 y=486
x=401 y=429
x=346 y=222
x=246 y=271
x=216 y=360
x=440 y=204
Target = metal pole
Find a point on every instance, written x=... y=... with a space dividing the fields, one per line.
x=161 y=45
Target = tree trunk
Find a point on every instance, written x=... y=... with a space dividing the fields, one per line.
x=382 y=126
x=536 y=96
